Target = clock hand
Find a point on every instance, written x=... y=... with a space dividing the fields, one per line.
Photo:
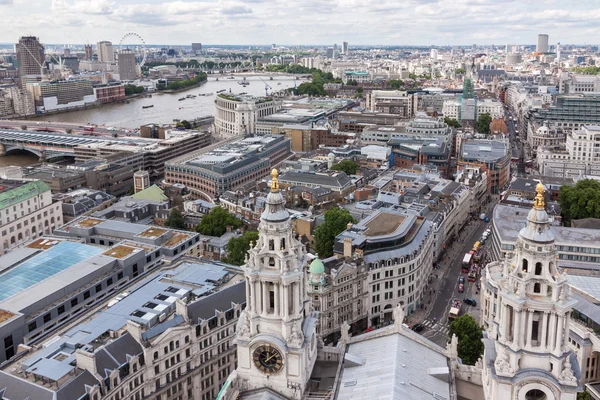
x=273 y=355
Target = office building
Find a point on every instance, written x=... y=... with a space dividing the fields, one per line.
x=391 y=102
x=171 y=335
x=542 y=44
x=578 y=156
x=89 y=52
x=526 y=310
x=105 y=51
x=196 y=47
x=236 y=115
x=30 y=58
x=576 y=83
x=344 y=47
x=493 y=156
x=338 y=182
x=127 y=65
x=27 y=211
x=211 y=172
x=330 y=52
x=21 y=101
x=471 y=109
x=568 y=111
x=60 y=95
x=107 y=93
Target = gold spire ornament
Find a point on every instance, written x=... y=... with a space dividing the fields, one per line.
x=274 y=181
x=538 y=203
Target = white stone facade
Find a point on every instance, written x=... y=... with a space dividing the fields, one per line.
x=525 y=310
x=27 y=213
x=237 y=115
x=279 y=313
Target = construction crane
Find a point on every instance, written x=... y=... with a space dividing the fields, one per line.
x=267 y=87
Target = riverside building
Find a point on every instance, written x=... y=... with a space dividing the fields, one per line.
x=237 y=115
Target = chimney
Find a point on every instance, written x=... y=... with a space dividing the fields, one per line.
x=347 y=247
x=229 y=228
x=349 y=226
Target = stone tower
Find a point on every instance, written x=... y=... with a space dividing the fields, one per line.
x=276 y=341
x=526 y=309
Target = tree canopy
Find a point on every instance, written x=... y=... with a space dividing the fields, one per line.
x=347 y=166
x=133 y=89
x=483 y=123
x=460 y=71
x=589 y=70
x=238 y=247
x=336 y=221
x=315 y=87
x=217 y=221
x=352 y=82
x=175 y=220
x=580 y=201
x=470 y=346
x=452 y=122
x=395 y=84
x=184 y=124
x=585 y=395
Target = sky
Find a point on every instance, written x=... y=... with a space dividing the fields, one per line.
x=302 y=22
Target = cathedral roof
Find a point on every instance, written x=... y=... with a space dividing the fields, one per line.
x=538 y=222
x=275 y=210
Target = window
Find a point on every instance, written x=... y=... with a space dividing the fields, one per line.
x=536 y=288
x=538 y=268
x=524 y=265
x=98 y=288
x=47 y=318
x=74 y=302
x=119 y=276
x=271 y=244
x=61 y=309
x=109 y=281
x=86 y=295
x=32 y=326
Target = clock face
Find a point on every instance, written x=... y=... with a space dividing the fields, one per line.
x=267 y=359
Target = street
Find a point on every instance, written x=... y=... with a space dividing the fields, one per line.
x=450 y=271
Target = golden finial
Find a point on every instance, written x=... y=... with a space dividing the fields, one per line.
x=274 y=181
x=538 y=203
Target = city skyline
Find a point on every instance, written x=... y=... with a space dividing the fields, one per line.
x=251 y=22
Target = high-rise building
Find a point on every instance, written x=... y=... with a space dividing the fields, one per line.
x=67 y=52
x=30 y=57
x=127 y=66
x=344 y=47
x=526 y=311
x=106 y=52
x=196 y=47
x=542 y=43
x=89 y=52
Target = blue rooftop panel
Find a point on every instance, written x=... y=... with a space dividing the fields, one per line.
x=43 y=266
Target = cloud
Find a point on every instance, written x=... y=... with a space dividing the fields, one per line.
x=236 y=10
x=5 y=2
x=91 y=7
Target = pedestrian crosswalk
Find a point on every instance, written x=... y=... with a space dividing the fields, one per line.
x=436 y=326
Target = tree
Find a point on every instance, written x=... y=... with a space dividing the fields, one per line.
x=347 y=166
x=129 y=90
x=352 y=82
x=470 y=346
x=217 y=221
x=185 y=124
x=483 y=123
x=580 y=201
x=238 y=247
x=452 y=122
x=459 y=71
x=175 y=219
x=336 y=221
x=585 y=395
x=138 y=89
x=395 y=84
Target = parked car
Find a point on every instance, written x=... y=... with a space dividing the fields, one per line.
x=461 y=279
x=487 y=219
x=470 y=301
x=461 y=288
x=418 y=327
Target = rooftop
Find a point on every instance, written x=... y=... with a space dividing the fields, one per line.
x=152 y=232
x=119 y=251
x=484 y=150
x=383 y=224
x=14 y=191
x=36 y=269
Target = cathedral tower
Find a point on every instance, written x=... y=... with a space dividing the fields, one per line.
x=276 y=343
x=526 y=309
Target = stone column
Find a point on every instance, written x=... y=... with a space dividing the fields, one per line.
x=566 y=331
x=504 y=322
x=544 y=321
x=559 y=333
x=551 y=331
x=517 y=328
x=529 y=329
x=277 y=298
x=250 y=291
x=265 y=298
x=285 y=300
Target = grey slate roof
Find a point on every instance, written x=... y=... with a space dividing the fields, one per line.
x=204 y=308
x=76 y=388
x=338 y=180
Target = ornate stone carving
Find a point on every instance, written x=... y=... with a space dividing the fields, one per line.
x=567 y=377
x=345 y=330
x=478 y=363
x=502 y=363
x=398 y=317
x=243 y=326
x=296 y=338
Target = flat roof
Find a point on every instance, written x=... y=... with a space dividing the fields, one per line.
x=383 y=224
x=49 y=263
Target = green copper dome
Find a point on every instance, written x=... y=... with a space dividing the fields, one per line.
x=317 y=267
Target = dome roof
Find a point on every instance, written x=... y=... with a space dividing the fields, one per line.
x=538 y=222
x=275 y=210
x=317 y=267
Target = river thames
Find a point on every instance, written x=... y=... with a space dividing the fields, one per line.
x=167 y=107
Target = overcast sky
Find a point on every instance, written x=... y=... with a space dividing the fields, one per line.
x=291 y=22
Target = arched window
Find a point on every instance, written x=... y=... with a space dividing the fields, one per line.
x=156 y=355
x=12 y=240
x=524 y=265
x=538 y=268
x=537 y=288
x=271 y=262
x=271 y=244
x=20 y=236
x=283 y=244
